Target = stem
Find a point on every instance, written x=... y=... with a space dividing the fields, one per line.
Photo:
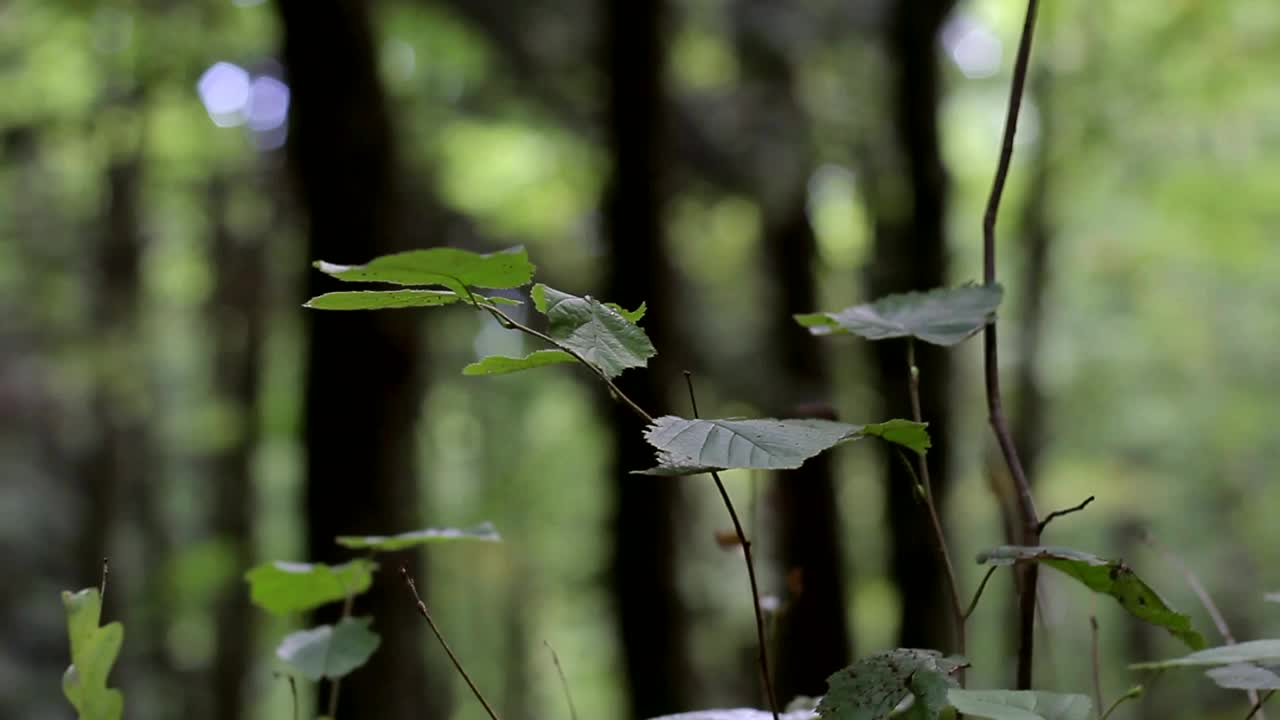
x=765 y=677
x=940 y=539
x=422 y=610
x=1095 y=658
x=1059 y=513
x=336 y=684
x=102 y=588
x=973 y=604
x=564 y=682
x=1026 y=504
x=1257 y=707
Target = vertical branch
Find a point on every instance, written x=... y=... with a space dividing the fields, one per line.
x=1026 y=504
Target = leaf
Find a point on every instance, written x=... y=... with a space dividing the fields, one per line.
x=484 y=532
x=930 y=692
x=1262 y=652
x=689 y=447
x=330 y=651
x=872 y=687
x=739 y=714
x=1110 y=577
x=284 y=587
x=601 y=334
x=911 y=435
x=945 y=316
x=391 y=299
x=1244 y=676
x=452 y=268
x=94 y=651
x=1272 y=597
x=1020 y=704
x=501 y=364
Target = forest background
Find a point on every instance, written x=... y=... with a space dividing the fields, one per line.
x=171 y=168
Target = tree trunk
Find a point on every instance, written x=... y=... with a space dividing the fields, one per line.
x=364 y=380
x=237 y=321
x=647 y=601
x=910 y=253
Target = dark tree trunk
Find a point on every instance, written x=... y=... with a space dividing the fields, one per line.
x=237 y=319
x=813 y=635
x=647 y=601
x=909 y=204
x=364 y=382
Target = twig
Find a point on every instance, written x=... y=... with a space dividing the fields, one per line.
x=1059 y=513
x=102 y=588
x=564 y=682
x=939 y=537
x=973 y=604
x=1095 y=657
x=1026 y=504
x=1206 y=600
x=1257 y=706
x=765 y=677
x=422 y=610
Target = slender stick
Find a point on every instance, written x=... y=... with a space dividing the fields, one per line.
x=1257 y=706
x=939 y=537
x=457 y=664
x=1060 y=513
x=564 y=682
x=1026 y=504
x=973 y=604
x=763 y=655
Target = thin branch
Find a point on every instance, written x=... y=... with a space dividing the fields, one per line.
x=761 y=640
x=939 y=537
x=564 y=682
x=1059 y=513
x=973 y=604
x=1257 y=706
x=1026 y=504
x=422 y=610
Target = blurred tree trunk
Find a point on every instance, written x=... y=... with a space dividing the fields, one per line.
x=237 y=318
x=908 y=200
x=364 y=381
x=813 y=635
x=651 y=617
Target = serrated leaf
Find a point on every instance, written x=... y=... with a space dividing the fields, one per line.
x=484 y=532
x=1244 y=676
x=330 y=651
x=284 y=587
x=501 y=364
x=1262 y=652
x=1020 y=705
x=739 y=714
x=452 y=268
x=393 y=299
x=602 y=335
x=872 y=687
x=94 y=651
x=1110 y=577
x=945 y=316
x=909 y=434
x=691 y=446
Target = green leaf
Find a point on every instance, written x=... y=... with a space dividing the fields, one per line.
x=1110 y=577
x=1244 y=676
x=930 y=692
x=330 y=651
x=1020 y=705
x=94 y=651
x=911 y=435
x=501 y=364
x=872 y=687
x=1262 y=652
x=689 y=447
x=739 y=714
x=389 y=543
x=452 y=268
x=945 y=316
x=284 y=587
x=392 y=299
x=602 y=335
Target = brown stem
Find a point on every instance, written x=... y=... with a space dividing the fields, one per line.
x=765 y=677
x=457 y=664
x=1026 y=504
x=939 y=537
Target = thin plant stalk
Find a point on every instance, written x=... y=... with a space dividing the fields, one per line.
x=564 y=681
x=335 y=685
x=1026 y=503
